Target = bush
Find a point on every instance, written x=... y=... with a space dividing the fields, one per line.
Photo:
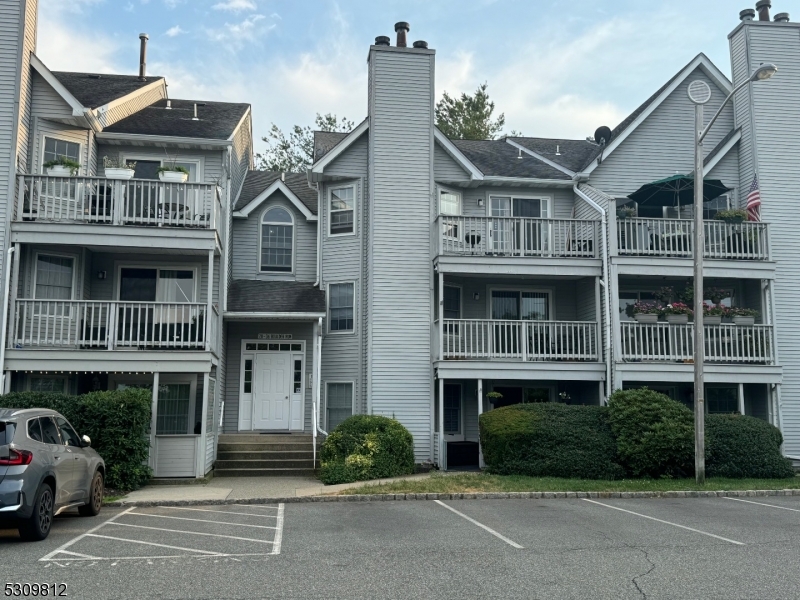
x=741 y=446
x=116 y=421
x=654 y=434
x=366 y=447
x=549 y=440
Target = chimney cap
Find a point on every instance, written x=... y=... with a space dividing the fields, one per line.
x=144 y=36
x=763 y=4
x=382 y=40
x=420 y=44
x=781 y=17
x=748 y=14
x=403 y=25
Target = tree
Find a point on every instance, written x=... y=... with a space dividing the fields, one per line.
x=295 y=152
x=468 y=117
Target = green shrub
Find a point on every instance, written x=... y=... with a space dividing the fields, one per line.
x=654 y=434
x=116 y=421
x=366 y=447
x=741 y=446
x=549 y=440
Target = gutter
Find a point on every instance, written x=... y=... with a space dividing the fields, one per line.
x=163 y=139
x=604 y=283
x=6 y=297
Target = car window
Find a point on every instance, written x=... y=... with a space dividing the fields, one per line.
x=34 y=430
x=68 y=433
x=49 y=431
x=6 y=433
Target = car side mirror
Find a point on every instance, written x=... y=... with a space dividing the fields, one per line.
x=87 y=441
x=4 y=452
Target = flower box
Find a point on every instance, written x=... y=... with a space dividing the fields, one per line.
x=646 y=318
x=677 y=319
x=712 y=319
x=742 y=320
x=173 y=176
x=118 y=173
x=59 y=171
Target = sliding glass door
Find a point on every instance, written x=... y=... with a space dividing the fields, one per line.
x=513 y=308
x=518 y=236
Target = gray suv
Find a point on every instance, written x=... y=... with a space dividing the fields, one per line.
x=45 y=468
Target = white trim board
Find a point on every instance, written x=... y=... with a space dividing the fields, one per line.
x=456 y=154
x=252 y=316
x=276 y=185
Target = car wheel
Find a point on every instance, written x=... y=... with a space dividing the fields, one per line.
x=92 y=507
x=37 y=526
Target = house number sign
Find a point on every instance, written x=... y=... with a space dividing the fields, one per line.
x=274 y=336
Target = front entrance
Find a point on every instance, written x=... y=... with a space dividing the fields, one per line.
x=272 y=391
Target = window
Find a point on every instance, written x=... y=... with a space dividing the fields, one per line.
x=508 y=206
x=53 y=277
x=49 y=384
x=277 y=241
x=248 y=376
x=722 y=399
x=342 y=209
x=35 y=430
x=452 y=409
x=54 y=149
x=7 y=432
x=68 y=434
x=156 y=285
x=340 y=303
x=519 y=237
x=49 y=431
x=298 y=375
x=520 y=306
x=449 y=203
x=339 y=403
x=173 y=408
x=452 y=302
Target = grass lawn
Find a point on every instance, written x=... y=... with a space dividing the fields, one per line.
x=481 y=482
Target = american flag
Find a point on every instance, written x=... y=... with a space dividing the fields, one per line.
x=754 y=201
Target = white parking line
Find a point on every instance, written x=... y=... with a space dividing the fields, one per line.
x=108 y=537
x=201 y=520
x=231 y=537
x=763 y=504
x=224 y=512
x=276 y=546
x=80 y=537
x=665 y=522
x=481 y=525
x=258 y=506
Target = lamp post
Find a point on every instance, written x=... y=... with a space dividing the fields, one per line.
x=700 y=94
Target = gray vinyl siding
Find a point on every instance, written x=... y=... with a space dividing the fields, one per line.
x=47 y=103
x=727 y=171
x=740 y=68
x=401 y=186
x=133 y=105
x=561 y=199
x=777 y=127
x=445 y=168
x=246 y=253
x=585 y=291
x=663 y=143
x=352 y=162
x=238 y=331
x=53 y=129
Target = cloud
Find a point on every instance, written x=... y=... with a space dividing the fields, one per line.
x=174 y=31
x=235 y=6
x=173 y=3
x=234 y=35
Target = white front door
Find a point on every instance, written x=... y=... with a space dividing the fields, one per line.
x=272 y=391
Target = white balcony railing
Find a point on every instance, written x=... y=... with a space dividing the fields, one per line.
x=89 y=324
x=117 y=202
x=673 y=237
x=726 y=343
x=484 y=339
x=516 y=236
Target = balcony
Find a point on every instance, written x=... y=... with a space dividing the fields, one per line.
x=724 y=344
x=673 y=238
x=485 y=339
x=132 y=202
x=103 y=325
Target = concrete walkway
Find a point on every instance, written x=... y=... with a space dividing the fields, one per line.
x=248 y=488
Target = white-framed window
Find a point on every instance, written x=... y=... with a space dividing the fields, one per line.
x=277 y=241
x=451 y=303
x=537 y=207
x=47 y=383
x=342 y=205
x=449 y=202
x=338 y=403
x=174 y=284
x=520 y=305
x=54 y=148
x=341 y=307
x=54 y=277
x=452 y=409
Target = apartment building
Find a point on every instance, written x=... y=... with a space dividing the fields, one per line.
x=405 y=274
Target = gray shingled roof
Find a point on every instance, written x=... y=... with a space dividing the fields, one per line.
x=498 y=158
x=216 y=120
x=256 y=182
x=324 y=141
x=247 y=295
x=572 y=154
x=93 y=89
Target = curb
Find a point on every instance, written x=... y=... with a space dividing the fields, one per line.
x=475 y=496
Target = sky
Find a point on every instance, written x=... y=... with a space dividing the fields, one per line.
x=554 y=68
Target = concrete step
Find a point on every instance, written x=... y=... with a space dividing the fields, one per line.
x=281 y=472
x=266 y=455
x=264 y=464
x=263 y=447
x=287 y=438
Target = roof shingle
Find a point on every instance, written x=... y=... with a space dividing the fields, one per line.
x=570 y=154
x=93 y=89
x=497 y=158
x=256 y=182
x=250 y=295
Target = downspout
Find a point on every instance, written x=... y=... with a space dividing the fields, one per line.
x=318 y=380
x=315 y=187
x=603 y=283
x=6 y=297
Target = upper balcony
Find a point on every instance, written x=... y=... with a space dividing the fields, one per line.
x=101 y=211
x=517 y=245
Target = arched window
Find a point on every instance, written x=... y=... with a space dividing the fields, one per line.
x=277 y=240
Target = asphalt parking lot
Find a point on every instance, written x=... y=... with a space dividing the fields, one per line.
x=611 y=548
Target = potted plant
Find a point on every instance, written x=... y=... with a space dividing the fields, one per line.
x=733 y=215
x=677 y=313
x=172 y=173
x=664 y=294
x=716 y=295
x=494 y=397
x=62 y=167
x=646 y=312
x=116 y=169
x=743 y=316
x=626 y=212
x=713 y=313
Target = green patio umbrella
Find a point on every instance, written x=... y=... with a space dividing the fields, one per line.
x=676 y=191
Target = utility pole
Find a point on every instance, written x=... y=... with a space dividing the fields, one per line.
x=699 y=333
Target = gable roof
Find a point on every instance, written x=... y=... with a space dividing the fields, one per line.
x=324 y=141
x=496 y=158
x=258 y=296
x=344 y=142
x=93 y=90
x=569 y=154
x=216 y=120
x=259 y=185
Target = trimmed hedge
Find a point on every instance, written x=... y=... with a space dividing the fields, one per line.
x=742 y=446
x=116 y=421
x=549 y=440
x=654 y=434
x=366 y=447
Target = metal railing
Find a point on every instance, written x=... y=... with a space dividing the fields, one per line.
x=673 y=237
x=725 y=343
x=489 y=339
x=141 y=202
x=88 y=324
x=517 y=236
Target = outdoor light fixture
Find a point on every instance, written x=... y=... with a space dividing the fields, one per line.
x=476 y=296
x=764 y=71
x=480 y=201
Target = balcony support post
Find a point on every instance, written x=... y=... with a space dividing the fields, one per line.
x=440 y=314
x=12 y=294
x=442 y=443
x=480 y=412
x=741 y=399
x=209 y=298
x=153 y=422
